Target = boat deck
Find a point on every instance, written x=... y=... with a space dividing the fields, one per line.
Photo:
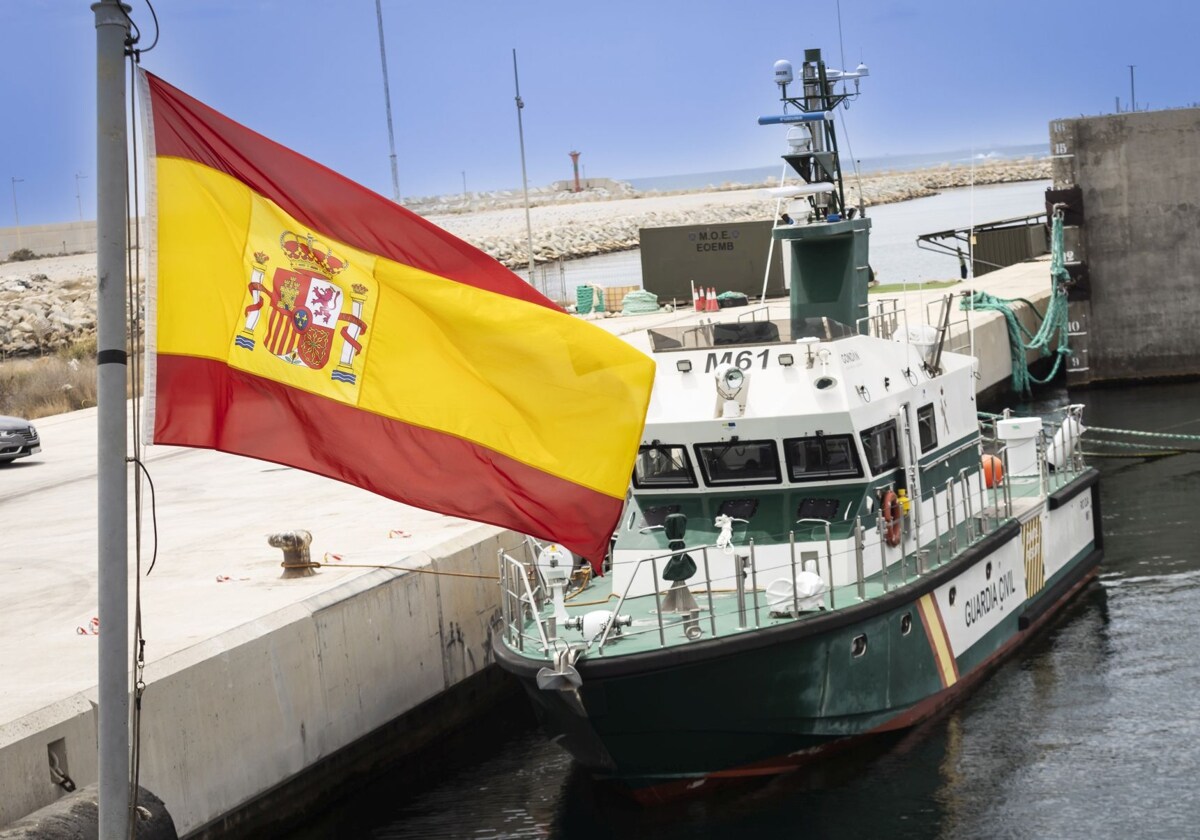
x=723 y=611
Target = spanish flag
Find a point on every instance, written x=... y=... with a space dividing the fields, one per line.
x=299 y=318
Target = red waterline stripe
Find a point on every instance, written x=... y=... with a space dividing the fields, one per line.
x=204 y=403
x=320 y=198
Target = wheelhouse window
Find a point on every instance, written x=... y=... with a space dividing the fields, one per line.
x=739 y=462
x=879 y=443
x=821 y=457
x=927 y=427
x=660 y=465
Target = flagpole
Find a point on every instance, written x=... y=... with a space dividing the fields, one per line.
x=112 y=29
x=387 y=98
x=524 y=177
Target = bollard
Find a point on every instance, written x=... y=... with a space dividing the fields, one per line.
x=78 y=815
x=297 y=562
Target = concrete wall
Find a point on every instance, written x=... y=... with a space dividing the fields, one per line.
x=62 y=238
x=1140 y=179
x=229 y=720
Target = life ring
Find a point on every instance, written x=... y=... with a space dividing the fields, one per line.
x=890 y=508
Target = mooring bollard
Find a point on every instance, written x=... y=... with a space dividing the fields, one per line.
x=297 y=562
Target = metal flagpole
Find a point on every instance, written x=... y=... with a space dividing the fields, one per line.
x=524 y=178
x=387 y=98
x=112 y=29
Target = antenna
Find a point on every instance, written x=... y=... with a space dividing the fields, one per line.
x=841 y=43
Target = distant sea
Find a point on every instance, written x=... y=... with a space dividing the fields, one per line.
x=756 y=175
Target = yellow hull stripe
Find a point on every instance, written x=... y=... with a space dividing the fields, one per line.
x=939 y=643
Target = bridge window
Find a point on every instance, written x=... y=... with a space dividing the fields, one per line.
x=660 y=465
x=879 y=443
x=739 y=462
x=927 y=427
x=821 y=457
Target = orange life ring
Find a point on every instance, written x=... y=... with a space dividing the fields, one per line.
x=890 y=508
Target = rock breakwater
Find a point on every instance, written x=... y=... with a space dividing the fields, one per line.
x=50 y=303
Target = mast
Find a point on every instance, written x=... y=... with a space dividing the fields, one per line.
x=828 y=257
x=812 y=139
x=112 y=30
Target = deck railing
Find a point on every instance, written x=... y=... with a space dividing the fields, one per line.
x=964 y=510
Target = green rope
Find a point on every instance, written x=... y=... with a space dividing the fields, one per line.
x=1053 y=325
x=1124 y=445
x=1131 y=432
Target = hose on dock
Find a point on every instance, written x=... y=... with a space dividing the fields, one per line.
x=1054 y=324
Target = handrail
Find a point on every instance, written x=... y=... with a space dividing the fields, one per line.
x=654 y=570
x=941 y=459
x=506 y=559
x=828 y=555
x=753 y=313
x=951 y=517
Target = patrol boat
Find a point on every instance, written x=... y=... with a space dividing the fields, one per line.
x=822 y=542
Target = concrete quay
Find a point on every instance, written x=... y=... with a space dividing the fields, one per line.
x=261 y=689
x=251 y=679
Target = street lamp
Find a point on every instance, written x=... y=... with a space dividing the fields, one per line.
x=16 y=214
x=524 y=177
x=79 y=200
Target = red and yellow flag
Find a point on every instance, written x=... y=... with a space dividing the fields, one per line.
x=302 y=319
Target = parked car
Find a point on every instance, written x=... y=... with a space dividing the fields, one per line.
x=18 y=438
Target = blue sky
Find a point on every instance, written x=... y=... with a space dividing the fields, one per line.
x=654 y=87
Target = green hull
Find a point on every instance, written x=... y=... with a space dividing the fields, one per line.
x=770 y=700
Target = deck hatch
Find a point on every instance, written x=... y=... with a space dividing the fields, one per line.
x=738 y=508
x=657 y=515
x=826 y=509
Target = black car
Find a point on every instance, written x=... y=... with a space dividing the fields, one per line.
x=18 y=438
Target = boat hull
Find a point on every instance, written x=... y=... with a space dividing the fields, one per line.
x=767 y=701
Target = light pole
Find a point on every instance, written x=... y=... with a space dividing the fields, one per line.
x=524 y=177
x=1132 y=98
x=16 y=214
x=387 y=98
x=79 y=200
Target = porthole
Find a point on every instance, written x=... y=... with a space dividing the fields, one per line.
x=988 y=570
x=953 y=592
x=825 y=382
x=906 y=624
x=859 y=646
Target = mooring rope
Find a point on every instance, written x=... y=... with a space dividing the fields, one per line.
x=1054 y=324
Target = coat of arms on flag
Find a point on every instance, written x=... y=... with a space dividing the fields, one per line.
x=305 y=305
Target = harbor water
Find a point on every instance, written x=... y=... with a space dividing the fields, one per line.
x=1090 y=731
x=894 y=231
